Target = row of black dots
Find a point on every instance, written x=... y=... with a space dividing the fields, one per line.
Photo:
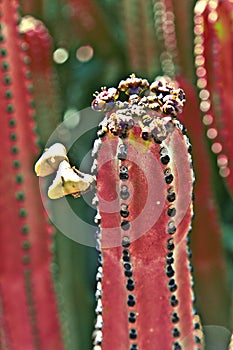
x=98 y=328
x=27 y=84
x=205 y=95
x=125 y=226
x=198 y=335
x=171 y=229
x=20 y=194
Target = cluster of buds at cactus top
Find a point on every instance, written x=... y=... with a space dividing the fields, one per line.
x=143 y=174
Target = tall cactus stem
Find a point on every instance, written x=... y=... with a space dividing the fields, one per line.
x=27 y=298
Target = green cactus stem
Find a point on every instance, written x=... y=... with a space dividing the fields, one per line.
x=144 y=182
x=28 y=307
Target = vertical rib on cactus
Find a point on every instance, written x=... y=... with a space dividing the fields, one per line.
x=214 y=66
x=90 y=24
x=144 y=190
x=208 y=258
x=147 y=288
x=39 y=49
x=27 y=298
x=142 y=46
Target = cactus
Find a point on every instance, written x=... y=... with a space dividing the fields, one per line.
x=38 y=43
x=208 y=258
x=214 y=66
x=143 y=170
x=29 y=314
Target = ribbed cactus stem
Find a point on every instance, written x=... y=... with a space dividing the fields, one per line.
x=145 y=169
x=28 y=304
x=38 y=44
x=214 y=66
x=144 y=182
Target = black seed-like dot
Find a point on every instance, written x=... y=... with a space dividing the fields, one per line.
x=3 y=52
x=8 y=94
x=26 y=259
x=173 y=300
x=174 y=317
x=183 y=130
x=190 y=149
x=124 y=193
x=169 y=178
x=22 y=212
x=169 y=259
x=165 y=159
x=125 y=225
x=32 y=103
x=16 y=164
x=97 y=219
x=124 y=211
x=14 y=150
x=13 y=136
x=19 y=178
x=125 y=252
x=130 y=284
x=197 y=325
x=126 y=258
x=130 y=287
x=26 y=245
x=197 y=340
x=125 y=241
x=127 y=266
x=1 y=38
x=167 y=171
x=189 y=252
x=12 y=122
x=20 y=196
x=131 y=300
x=124 y=175
x=100 y=260
x=175 y=332
x=132 y=317
x=25 y=229
x=172 y=285
x=133 y=333
x=101 y=133
x=26 y=60
x=5 y=66
x=171 y=211
x=171 y=228
x=122 y=152
x=7 y=80
x=170 y=244
x=163 y=151
x=30 y=88
x=146 y=136
x=195 y=311
x=171 y=197
x=169 y=271
x=176 y=346
x=128 y=273
x=133 y=347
